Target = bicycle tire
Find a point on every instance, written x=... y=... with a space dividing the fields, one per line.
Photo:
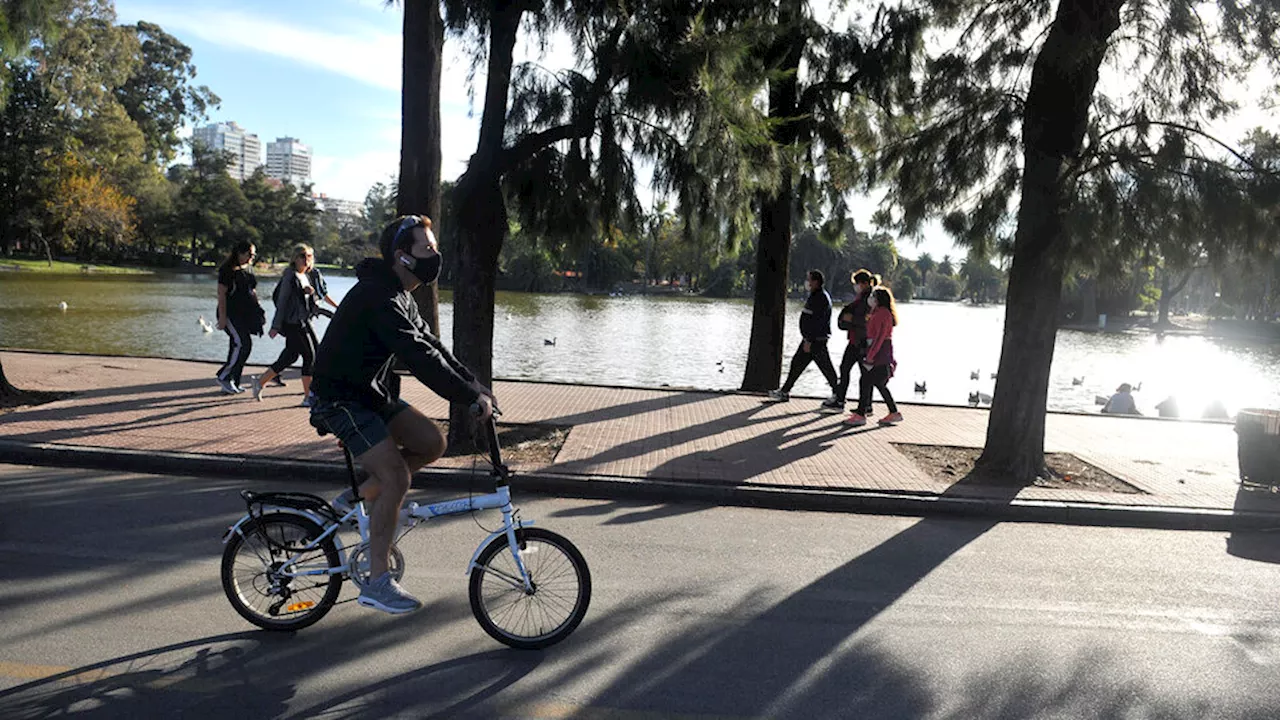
x=548 y=630
x=246 y=587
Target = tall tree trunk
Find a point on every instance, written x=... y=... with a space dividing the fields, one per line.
x=1168 y=293
x=1054 y=121
x=482 y=222
x=420 y=154
x=773 y=251
x=7 y=390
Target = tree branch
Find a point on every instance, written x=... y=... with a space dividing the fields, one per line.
x=1193 y=131
x=584 y=115
x=811 y=94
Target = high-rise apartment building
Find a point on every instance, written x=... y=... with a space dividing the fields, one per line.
x=243 y=148
x=289 y=160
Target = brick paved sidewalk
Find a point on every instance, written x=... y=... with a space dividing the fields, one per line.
x=174 y=406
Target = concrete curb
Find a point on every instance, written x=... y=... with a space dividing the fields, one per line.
x=623 y=488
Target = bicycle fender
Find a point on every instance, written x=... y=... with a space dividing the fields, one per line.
x=269 y=509
x=492 y=536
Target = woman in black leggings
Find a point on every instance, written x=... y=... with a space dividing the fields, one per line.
x=295 y=299
x=239 y=313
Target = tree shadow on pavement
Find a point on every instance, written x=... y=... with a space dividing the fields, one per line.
x=626 y=512
x=256 y=675
x=666 y=401
x=789 y=661
x=681 y=436
x=755 y=456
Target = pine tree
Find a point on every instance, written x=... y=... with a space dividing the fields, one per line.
x=1016 y=109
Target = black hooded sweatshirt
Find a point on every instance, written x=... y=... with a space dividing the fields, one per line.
x=376 y=322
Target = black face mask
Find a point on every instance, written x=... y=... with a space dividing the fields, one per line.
x=426 y=269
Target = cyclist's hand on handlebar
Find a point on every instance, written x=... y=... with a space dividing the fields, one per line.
x=482 y=408
x=484 y=391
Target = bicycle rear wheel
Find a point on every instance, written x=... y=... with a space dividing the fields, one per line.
x=251 y=576
x=523 y=619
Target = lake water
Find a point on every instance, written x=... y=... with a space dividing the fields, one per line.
x=655 y=341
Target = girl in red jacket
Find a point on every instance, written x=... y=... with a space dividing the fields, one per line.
x=879 y=362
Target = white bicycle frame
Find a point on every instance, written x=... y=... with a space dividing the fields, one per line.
x=410 y=516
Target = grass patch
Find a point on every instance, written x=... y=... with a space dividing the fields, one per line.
x=1067 y=472
x=68 y=268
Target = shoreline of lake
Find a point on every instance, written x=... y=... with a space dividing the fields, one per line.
x=656 y=339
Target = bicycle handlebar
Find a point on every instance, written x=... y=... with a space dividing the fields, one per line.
x=491 y=439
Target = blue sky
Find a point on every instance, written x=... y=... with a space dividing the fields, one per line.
x=328 y=72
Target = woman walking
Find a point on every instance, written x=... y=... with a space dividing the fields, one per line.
x=296 y=302
x=239 y=313
x=879 y=362
x=853 y=319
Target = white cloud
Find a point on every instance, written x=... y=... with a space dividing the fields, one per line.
x=349 y=177
x=364 y=53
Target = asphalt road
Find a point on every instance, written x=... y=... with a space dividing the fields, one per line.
x=110 y=606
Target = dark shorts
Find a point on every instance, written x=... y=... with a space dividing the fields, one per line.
x=358 y=427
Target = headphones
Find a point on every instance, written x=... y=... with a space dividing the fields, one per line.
x=408 y=223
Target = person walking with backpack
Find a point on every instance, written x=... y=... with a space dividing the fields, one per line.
x=815 y=331
x=297 y=299
x=853 y=319
x=879 y=362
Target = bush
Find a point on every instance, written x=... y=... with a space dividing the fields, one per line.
x=943 y=287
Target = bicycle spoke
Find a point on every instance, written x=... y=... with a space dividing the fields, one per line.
x=551 y=605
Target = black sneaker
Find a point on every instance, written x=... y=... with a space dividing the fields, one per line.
x=277 y=382
x=831 y=405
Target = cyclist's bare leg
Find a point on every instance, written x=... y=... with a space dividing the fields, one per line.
x=384 y=491
x=420 y=440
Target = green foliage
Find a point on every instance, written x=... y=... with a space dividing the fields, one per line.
x=661 y=83
x=942 y=287
x=211 y=210
x=32 y=133
x=904 y=287
x=983 y=282
x=88 y=121
x=1151 y=179
x=854 y=250
x=158 y=94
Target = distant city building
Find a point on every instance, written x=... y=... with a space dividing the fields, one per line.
x=289 y=160
x=243 y=148
x=339 y=206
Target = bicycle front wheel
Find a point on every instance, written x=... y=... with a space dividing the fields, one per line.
x=252 y=567
x=537 y=618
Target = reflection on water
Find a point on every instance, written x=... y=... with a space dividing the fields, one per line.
x=652 y=341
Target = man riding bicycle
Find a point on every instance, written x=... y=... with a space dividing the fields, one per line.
x=358 y=394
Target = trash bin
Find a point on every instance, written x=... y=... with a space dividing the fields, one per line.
x=1259 y=446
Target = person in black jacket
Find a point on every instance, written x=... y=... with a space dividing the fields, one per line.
x=853 y=319
x=239 y=313
x=815 y=330
x=357 y=392
x=297 y=301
